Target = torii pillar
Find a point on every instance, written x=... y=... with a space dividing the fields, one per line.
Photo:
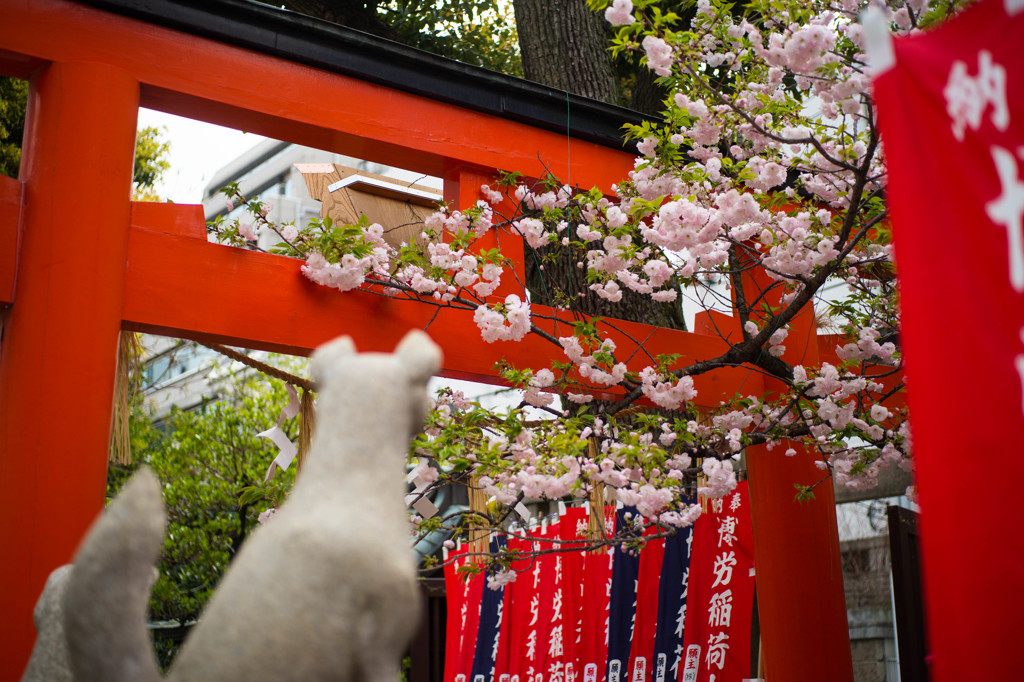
x=60 y=339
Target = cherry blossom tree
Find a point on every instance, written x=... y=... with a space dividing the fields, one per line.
x=763 y=187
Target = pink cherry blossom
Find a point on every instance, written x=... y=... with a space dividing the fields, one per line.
x=620 y=13
x=542 y=378
x=609 y=291
x=647 y=146
x=533 y=230
x=659 y=55
x=494 y=198
x=667 y=394
x=499 y=579
x=512 y=326
x=721 y=478
x=665 y=295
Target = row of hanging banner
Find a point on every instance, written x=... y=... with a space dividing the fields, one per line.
x=679 y=610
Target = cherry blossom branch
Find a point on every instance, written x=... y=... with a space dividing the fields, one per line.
x=813 y=141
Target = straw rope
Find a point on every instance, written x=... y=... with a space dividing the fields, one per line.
x=595 y=525
x=478 y=531
x=307 y=423
x=129 y=350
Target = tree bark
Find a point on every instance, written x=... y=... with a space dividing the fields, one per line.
x=647 y=96
x=564 y=45
x=560 y=283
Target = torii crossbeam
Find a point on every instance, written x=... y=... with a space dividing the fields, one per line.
x=79 y=262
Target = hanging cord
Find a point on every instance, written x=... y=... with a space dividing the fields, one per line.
x=269 y=370
x=307 y=423
x=595 y=525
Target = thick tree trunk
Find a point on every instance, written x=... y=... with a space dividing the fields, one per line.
x=647 y=96
x=560 y=283
x=565 y=45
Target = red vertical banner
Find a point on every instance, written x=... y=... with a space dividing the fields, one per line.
x=720 y=597
x=541 y=591
x=641 y=650
x=561 y=625
x=596 y=591
x=463 y=602
x=515 y=625
x=454 y=594
x=573 y=523
x=951 y=112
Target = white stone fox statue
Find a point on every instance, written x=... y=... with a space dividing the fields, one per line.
x=325 y=591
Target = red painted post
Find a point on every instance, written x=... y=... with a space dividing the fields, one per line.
x=462 y=190
x=800 y=598
x=59 y=351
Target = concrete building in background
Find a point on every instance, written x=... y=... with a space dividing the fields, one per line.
x=268 y=171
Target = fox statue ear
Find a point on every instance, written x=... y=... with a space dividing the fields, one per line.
x=109 y=587
x=326 y=357
x=419 y=355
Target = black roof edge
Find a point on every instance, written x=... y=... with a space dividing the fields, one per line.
x=339 y=49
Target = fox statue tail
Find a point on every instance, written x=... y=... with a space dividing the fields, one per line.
x=108 y=589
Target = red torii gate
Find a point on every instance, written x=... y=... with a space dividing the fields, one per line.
x=79 y=262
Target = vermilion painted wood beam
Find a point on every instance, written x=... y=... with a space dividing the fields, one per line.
x=198 y=78
x=177 y=283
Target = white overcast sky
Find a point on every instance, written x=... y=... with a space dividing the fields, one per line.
x=198 y=151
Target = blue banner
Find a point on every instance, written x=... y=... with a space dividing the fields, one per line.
x=668 y=640
x=490 y=626
x=622 y=608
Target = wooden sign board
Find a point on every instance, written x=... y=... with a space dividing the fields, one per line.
x=346 y=193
